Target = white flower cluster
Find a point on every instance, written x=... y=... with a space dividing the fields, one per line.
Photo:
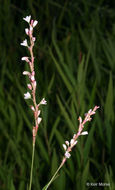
x=31 y=74
x=69 y=145
x=29 y=31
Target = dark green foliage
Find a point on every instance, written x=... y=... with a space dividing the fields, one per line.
x=75 y=70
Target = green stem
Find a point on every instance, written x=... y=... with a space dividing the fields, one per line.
x=54 y=176
x=32 y=167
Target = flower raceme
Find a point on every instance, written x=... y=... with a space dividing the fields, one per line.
x=31 y=94
x=69 y=145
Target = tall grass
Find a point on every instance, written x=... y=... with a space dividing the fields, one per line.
x=75 y=51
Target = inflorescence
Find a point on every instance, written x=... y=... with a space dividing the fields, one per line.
x=31 y=93
x=69 y=145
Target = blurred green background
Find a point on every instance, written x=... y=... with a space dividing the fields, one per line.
x=75 y=70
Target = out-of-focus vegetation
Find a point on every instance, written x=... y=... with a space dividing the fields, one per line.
x=75 y=68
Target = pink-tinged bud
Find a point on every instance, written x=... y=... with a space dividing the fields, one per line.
x=88 y=118
x=34 y=84
x=27 y=95
x=25 y=59
x=43 y=102
x=32 y=78
x=27 y=18
x=74 y=136
x=39 y=112
x=80 y=119
x=34 y=135
x=84 y=133
x=31 y=28
x=75 y=142
x=95 y=108
x=35 y=23
x=39 y=120
x=93 y=112
x=67 y=154
x=89 y=111
x=67 y=143
x=24 y=43
x=29 y=86
x=31 y=22
x=26 y=73
x=33 y=39
x=33 y=73
x=27 y=31
x=32 y=108
x=72 y=142
x=65 y=147
x=34 y=131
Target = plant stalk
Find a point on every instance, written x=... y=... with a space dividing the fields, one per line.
x=31 y=172
x=62 y=163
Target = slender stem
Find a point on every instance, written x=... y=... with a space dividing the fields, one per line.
x=62 y=163
x=30 y=184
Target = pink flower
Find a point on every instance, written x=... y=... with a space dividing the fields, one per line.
x=32 y=78
x=24 y=43
x=31 y=28
x=29 y=86
x=27 y=31
x=39 y=112
x=67 y=154
x=67 y=143
x=35 y=23
x=32 y=108
x=33 y=39
x=25 y=59
x=43 y=102
x=26 y=73
x=64 y=146
x=27 y=18
x=34 y=84
x=84 y=133
x=39 y=120
x=80 y=119
x=27 y=95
